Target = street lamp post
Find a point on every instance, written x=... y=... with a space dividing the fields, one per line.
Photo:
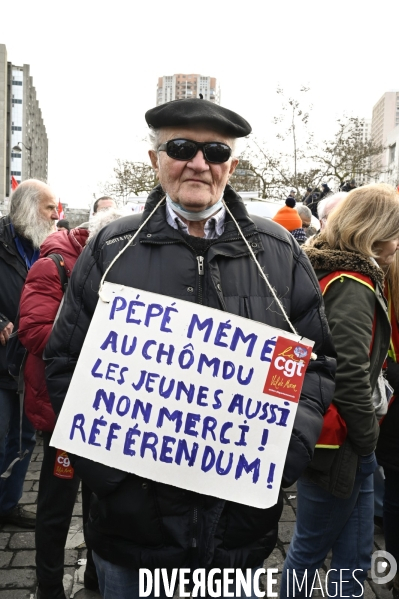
x=18 y=148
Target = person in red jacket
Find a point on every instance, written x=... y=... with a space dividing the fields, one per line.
x=58 y=486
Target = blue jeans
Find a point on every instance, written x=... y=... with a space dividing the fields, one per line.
x=379 y=485
x=117 y=582
x=325 y=522
x=11 y=487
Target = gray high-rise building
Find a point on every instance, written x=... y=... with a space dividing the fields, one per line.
x=23 y=137
x=385 y=119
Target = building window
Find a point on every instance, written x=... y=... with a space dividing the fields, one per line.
x=16 y=128
x=17 y=173
x=15 y=155
x=16 y=101
x=17 y=82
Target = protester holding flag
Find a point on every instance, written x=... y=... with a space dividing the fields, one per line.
x=195 y=241
x=335 y=494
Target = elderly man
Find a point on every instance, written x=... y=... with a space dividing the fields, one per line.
x=327 y=205
x=103 y=204
x=33 y=212
x=305 y=215
x=191 y=249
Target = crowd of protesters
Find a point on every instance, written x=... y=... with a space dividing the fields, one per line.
x=195 y=241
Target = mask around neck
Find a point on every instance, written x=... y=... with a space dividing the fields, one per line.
x=194 y=216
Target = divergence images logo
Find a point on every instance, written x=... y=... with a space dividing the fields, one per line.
x=383 y=567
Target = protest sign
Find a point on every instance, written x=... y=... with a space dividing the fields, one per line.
x=185 y=395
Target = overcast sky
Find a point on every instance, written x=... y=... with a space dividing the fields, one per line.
x=95 y=67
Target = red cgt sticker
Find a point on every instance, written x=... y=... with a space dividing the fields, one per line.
x=62 y=465
x=287 y=369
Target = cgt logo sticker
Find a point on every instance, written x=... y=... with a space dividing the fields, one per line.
x=62 y=465
x=287 y=370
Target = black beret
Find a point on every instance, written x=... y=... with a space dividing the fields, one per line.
x=195 y=111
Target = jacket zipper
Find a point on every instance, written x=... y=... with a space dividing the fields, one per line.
x=195 y=527
x=188 y=245
x=200 y=260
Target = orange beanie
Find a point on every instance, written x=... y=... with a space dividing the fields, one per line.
x=288 y=218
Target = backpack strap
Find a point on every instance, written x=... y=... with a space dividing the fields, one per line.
x=60 y=264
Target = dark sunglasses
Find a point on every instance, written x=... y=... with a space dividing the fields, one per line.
x=185 y=149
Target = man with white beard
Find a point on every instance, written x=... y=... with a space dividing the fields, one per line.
x=33 y=212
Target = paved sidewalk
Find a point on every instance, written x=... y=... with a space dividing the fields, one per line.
x=17 y=548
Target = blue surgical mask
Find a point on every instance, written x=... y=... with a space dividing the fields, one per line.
x=194 y=216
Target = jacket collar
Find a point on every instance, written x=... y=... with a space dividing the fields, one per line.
x=6 y=235
x=158 y=230
x=9 y=249
x=322 y=257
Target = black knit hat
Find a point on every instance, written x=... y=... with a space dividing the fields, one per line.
x=63 y=223
x=195 y=111
x=290 y=202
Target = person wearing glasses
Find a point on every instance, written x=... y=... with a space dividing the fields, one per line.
x=192 y=246
x=305 y=215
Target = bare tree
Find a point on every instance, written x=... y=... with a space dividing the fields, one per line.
x=259 y=165
x=349 y=155
x=244 y=178
x=288 y=168
x=130 y=178
x=292 y=164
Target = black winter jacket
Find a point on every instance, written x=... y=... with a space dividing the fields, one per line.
x=13 y=273
x=140 y=523
x=388 y=442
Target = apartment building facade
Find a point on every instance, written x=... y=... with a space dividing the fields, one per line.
x=391 y=175
x=180 y=86
x=384 y=119
x=364 y=136
x=23 y=136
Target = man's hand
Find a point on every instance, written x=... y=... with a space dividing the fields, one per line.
x=5 y=333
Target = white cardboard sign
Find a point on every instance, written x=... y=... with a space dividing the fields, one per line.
x=185 y=395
